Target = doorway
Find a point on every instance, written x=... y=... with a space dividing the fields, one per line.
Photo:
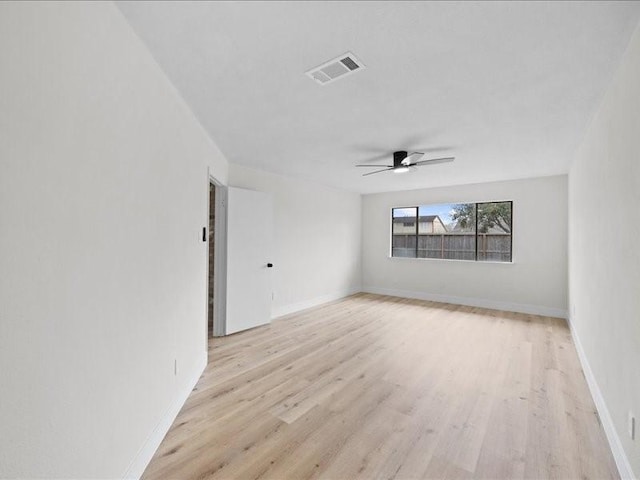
x=211 y=279
x=215 y=259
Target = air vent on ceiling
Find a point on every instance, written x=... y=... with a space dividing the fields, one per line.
x=336 y=68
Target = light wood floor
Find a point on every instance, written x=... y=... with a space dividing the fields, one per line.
x=383 y=387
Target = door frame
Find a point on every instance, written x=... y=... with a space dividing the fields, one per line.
x=219 y=259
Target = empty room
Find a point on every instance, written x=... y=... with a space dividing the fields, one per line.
x=318 y=239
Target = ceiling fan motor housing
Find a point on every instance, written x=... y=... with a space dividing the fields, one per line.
x=398 y=157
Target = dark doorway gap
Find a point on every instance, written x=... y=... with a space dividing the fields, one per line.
x=212 y=214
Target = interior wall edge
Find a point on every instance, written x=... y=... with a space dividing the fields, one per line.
x=313 y=302
x=148 y=449
x=471 y=302
x=615 y=444
x=604 y=263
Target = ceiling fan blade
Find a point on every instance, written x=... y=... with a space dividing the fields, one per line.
x=434 y=161
x=374 y=166
x=412 y=156
x=378 y=171
x=382 y=157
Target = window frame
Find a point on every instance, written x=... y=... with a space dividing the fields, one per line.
x=417 y=208
x=475 y=260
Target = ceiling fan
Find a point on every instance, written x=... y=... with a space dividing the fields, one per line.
x=403 y=161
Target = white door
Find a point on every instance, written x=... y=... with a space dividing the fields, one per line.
x=249 y=250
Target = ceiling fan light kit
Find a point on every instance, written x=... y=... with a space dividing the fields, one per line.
x=404 y=161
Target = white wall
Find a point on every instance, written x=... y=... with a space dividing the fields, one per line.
x=103 y=194
x=604 y=262
x=535 y=282
x=316 y=235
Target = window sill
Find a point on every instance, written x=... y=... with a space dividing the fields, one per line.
x=490 y=262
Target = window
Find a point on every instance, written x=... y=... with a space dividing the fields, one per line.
x=453 y=231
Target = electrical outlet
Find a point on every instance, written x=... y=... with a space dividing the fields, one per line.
x=632 y=426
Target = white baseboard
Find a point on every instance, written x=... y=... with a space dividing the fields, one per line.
x=296 y=307
x=620 y=457
x=472 y=302
x=146 y=452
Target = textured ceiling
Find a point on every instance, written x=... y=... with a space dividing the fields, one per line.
x=506 y=88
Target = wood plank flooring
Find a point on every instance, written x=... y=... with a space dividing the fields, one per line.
x=382 y=387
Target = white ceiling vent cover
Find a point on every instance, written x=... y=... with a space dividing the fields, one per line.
x=337 y=68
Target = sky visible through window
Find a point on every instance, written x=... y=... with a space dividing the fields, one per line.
x=443 y=210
